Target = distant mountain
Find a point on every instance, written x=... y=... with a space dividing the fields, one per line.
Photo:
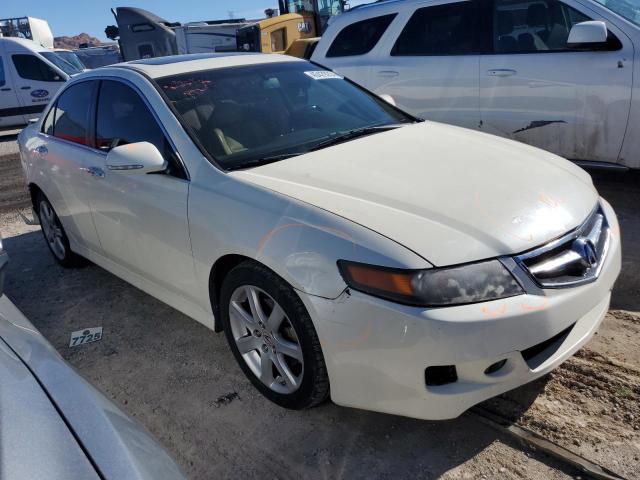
x=74 y=42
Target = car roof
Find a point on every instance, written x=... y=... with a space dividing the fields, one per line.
x=24 y=44
x=175 y=64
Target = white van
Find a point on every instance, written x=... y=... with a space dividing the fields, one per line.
x=29 y=76
x=562 y=75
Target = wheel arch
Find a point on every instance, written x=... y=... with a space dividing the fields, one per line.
x=217 y=274
x=34 y=191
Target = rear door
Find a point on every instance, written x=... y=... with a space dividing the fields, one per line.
x=63 y=148
x=10 y=111
x=535 y=89
x=35 y=81
x=430 y=66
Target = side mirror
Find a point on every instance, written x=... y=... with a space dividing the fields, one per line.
x=140 y=157
x=592 y=34
x=388 y=98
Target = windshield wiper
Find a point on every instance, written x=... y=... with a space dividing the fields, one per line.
x=333 y=140
x=256 y=162
x=345 y=136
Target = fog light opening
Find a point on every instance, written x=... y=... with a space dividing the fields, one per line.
x=441 y=375
x=494 y=367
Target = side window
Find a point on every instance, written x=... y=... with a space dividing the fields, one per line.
x=449 y=29
x=279 y=40
x=2 y=78
x=31 y=67
x=360 y=37
x=47 y=125
x=123 y=117
x=522 y=26
x=72 y=113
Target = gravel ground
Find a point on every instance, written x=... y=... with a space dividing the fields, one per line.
x=181 y=381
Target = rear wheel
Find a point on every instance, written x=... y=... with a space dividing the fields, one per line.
x=272 y=337
x=54 y=234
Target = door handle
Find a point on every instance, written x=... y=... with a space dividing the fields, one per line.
x=501 y=72
x=25 y=88
x=6 y=89
x=388 y=73
x=94 y=171
x=42 y=150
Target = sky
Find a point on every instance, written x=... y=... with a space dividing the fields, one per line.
x=71 y=17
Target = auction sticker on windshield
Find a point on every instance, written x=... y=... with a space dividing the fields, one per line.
x=88 y=335
x=322 y=75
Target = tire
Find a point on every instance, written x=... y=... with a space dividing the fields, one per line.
x=270 y=344
x=55 y=236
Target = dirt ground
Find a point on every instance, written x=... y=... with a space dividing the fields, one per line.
x=181 y=381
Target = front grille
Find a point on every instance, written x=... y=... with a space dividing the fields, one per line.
x=573 y=259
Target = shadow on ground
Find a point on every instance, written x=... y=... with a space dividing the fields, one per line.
x=622 y=190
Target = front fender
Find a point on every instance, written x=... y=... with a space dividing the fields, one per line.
x=298 y=241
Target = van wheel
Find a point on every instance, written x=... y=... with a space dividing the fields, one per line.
x=55 y=236
x=272 y=337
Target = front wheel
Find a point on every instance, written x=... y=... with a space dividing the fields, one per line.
x=272 y=337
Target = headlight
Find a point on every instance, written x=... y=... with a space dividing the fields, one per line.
x=433 y=287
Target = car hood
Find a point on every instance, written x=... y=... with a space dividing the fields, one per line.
x=449 y=194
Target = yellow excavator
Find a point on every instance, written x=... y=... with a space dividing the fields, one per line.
x=295 y=31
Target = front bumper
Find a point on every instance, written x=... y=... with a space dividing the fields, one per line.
x=377 y=351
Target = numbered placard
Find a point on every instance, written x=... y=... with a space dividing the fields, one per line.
x=87 y=335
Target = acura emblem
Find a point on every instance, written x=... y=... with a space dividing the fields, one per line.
x=586 y=250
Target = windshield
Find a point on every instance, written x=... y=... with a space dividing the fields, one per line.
x=61 y=63
x=241 y=115
x=629 y=9
x=72 y=58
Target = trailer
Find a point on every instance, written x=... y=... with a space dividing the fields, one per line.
x=209 y=36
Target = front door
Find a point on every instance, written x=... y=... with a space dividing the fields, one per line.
x=35 y=82
x=141 y=219
x=535 y=89
x=431 y=67
x=10 y=111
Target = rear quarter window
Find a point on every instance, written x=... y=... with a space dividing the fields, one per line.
x=360 y=37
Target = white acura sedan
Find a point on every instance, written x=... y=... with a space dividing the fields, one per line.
x=344 y=247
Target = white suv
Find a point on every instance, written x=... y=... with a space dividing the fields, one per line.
x=554 y=74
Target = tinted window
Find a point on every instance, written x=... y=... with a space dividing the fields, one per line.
x=360 y=37
x=522 y=26
x=243 y=115
x=123 y=117
x=2 y=80
x=72 y=113
x=441 y=30
x=31 y=67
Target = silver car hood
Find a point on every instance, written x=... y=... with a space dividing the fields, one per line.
x=449 y=194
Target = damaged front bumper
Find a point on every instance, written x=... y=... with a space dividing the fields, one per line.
x=380 y=354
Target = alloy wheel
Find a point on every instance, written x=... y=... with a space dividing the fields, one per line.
x=52 y=230
x=266 y=339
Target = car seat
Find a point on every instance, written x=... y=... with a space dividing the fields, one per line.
x=506 y=42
